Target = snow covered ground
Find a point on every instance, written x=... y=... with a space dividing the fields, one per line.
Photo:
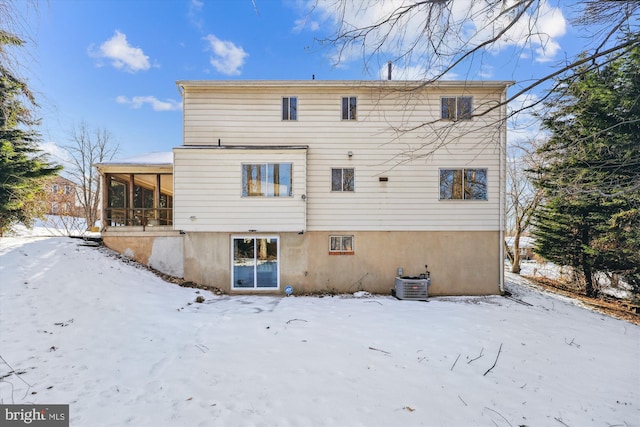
x=553 y=271
x=124 y=348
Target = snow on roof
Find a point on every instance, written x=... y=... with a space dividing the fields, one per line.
x=525 y=241
x=156 y=158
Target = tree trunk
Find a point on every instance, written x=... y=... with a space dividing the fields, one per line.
x=589 y=289
x=515 y=265
x=507 y=250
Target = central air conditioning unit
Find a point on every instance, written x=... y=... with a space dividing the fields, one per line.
x=412 y=288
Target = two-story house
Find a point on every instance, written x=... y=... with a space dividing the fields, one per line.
x=323 y=185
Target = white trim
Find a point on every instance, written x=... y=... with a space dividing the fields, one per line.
x=282 y=119
x=254 y=237
x=348 y=109
x=341 y=251
x=463 y=169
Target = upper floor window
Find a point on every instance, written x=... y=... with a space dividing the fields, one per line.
x=463 y=184
x=266 y=180
x=349 y=104
x=457 y=108
x=290 y=108
x=55 y=188
x=67 y=189
x=343 y=179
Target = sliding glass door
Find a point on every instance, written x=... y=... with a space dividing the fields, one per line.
x=255 y=263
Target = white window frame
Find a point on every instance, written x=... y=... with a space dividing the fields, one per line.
x=342 y=186
x=456 y=113
x=463 y=192
x=349 y=114
x=287 y=112
x=255 y=255
x=270 y=185
x=340 y=240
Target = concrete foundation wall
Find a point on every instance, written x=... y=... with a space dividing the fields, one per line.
x=163 y=251
x=461 y=263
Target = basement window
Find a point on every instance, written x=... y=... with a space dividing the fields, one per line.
x=341 y=245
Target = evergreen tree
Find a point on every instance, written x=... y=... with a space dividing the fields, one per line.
x=591 y=176
x=23 y=167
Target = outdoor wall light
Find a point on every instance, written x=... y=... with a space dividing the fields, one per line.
x=192 y=217
x=350 y=153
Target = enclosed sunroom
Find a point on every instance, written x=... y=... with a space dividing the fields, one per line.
x=137 y=192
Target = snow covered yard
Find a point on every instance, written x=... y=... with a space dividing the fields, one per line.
x=122 y=347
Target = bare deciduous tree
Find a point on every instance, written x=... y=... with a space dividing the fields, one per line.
x=444 y=38
x=523 y=198
x=88 y=147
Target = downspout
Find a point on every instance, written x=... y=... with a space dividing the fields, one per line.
x=503 y=200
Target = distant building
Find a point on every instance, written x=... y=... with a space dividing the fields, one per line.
x=61 y=197
x=526 y=247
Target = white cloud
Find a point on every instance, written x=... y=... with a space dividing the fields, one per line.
x=470 y=24
x=522 y=123
x=57 y=153
x=305 y=24
x=228 y=58
x=157 y=105
x=486 y=71
x=122 y=55
x=195 y=8
x=414 y=72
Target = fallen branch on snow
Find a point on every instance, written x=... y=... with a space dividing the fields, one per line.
x=377 y=349
x=502 y=416
x=481 y=350
x=454 y=363
x=294 y=320
x=13 y=371
x=571 y=343
x=494 y=363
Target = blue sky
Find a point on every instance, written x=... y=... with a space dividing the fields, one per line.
x=113 y=64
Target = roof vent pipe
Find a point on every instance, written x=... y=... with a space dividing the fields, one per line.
x=388 y=70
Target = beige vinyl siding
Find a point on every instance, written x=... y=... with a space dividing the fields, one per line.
x=251 y=115
x=208 y=184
